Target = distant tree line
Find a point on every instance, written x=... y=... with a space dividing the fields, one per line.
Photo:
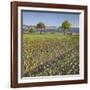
x=65 y=26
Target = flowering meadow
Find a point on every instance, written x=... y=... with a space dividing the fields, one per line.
x=50 y=54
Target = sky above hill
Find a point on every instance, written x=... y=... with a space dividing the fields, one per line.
x=49 y=18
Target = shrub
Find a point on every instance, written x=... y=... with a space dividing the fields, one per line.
x=31 y=30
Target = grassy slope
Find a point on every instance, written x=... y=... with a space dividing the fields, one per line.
x=50 y=54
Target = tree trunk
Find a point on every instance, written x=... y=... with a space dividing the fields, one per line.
x=64 y=33
x=40 y=32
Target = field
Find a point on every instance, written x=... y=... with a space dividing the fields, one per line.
x=50 y=54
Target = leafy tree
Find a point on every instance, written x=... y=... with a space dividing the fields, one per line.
x=31 y=30
x=40 y=26
x=66 y=25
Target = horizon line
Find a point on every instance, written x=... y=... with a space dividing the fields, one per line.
x=49 y=25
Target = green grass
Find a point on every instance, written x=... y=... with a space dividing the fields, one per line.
x=50 y=54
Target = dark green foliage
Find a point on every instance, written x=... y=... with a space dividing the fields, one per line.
x=41 y=26
x=31 y=30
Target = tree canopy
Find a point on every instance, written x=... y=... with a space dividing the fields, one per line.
x=40 y=25
x=66 y=25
